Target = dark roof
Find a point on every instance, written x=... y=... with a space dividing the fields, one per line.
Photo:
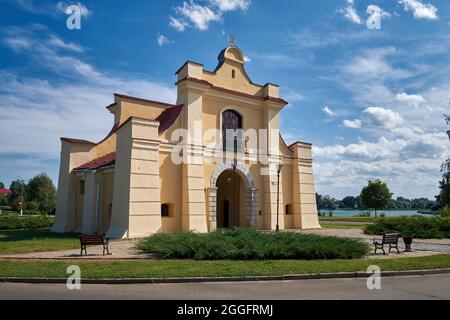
x=104 y=161
x=164 y=104
x=70 y=140
x=168 y=117
x=5 y=191
x=299 y=142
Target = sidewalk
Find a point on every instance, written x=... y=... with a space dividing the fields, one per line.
x=123 y=249
x=418 y=245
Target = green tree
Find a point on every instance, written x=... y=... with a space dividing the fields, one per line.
x=15 y=198
x=376 y=195
x=2 y=185
x=326 y=202
x=3 y=200
x=349 y=202
x=444 y=196
x=359 y=203
x=41 y=190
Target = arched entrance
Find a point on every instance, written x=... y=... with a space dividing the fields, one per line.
x=229 y=201
x=232 y=198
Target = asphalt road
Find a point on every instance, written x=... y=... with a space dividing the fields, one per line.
x=402 y=288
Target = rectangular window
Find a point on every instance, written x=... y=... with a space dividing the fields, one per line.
x=288 y=209
x=165 y=210
x=81 y=187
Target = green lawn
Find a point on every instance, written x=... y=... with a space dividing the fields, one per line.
x=191 y=268
x=23 y=241
x=341 y=225
x=348 y=219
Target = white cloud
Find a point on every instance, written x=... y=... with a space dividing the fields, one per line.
x=59 y=43
x=400 y=161
x=27 y=5
x=18 y=44
x=63 y=5
x=413 y=100
x=328 y=111
x=350 y=13
x=231 y=5
x=420 y=10
x=313 y=38
x=374 y=66
x=162 y=40
x=50 y=9
x=37 y=109
x=247 y=59
x=353 y=124
x=293 y=97
x=195 y=14
x=370 y=86
x=383 y=117
x=278 y=60
x=378 y=10
x=177 y=24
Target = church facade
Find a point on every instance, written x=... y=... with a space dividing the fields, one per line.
x=215 y=159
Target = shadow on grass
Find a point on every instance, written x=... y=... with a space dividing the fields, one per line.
x=39 y=234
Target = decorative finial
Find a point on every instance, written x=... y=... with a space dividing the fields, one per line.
x=231 y=41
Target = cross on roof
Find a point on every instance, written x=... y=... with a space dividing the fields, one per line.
x=231 y=41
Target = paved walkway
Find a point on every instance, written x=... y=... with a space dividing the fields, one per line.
x=419 y=245
x=125 y=249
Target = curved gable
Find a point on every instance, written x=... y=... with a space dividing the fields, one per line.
x=231 y=63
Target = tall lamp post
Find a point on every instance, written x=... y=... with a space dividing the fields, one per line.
x=279 y=167
x=21 y=198
x=234 y=177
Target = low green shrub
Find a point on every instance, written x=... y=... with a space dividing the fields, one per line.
x=250 y=244
x=32 y=206
x=416 y=226
x=364 y=214
x=445 y=212
x=13 y=222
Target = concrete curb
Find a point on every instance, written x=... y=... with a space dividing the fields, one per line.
x=316 y=276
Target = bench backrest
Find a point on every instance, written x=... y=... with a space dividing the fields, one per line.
x=390 y=238
x=92 y=239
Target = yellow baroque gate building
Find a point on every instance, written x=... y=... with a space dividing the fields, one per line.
x=209 y=161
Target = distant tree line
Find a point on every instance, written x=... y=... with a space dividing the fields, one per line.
x=350 y=202
x=36 y=196
x=443 y=198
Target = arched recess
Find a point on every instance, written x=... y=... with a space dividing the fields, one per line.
x=231 y=119
x=251 y=200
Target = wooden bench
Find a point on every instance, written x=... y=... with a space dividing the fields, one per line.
x=390 y=239
x=94 y=240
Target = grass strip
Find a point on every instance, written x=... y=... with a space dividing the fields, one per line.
x=337 y=225
x=24 y=241
x=222 y=268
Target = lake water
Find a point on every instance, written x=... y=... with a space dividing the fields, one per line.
x=348 y=213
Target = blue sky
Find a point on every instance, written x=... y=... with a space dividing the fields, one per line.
x=369 y=100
